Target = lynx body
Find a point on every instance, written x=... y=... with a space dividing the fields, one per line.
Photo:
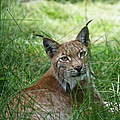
x=66 y=81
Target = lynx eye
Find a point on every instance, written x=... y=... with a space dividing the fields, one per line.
x=82 y=54
x=65 y=59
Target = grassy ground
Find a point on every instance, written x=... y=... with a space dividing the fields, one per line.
x=23 y=60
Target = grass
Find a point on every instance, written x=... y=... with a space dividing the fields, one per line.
x=23 y=60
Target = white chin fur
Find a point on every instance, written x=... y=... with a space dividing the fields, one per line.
x=72 y=82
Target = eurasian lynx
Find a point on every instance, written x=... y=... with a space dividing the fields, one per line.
x=65 y=83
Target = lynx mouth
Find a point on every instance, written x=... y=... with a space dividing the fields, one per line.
x=78 y=74
x=74 y=73
x=72 y=78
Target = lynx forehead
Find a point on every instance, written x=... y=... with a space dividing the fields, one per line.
x=72 y=48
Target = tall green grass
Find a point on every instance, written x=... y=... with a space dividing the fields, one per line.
x=23 y=60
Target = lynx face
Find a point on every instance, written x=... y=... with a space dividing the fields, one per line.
x=70 y=59
x=70 y=64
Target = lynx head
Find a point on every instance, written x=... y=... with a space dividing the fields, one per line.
x=70 y=59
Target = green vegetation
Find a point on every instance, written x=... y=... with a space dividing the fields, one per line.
x=74 y=1
x=23 y=60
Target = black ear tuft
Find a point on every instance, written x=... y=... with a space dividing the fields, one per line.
x=88 y=22
x=83 y=35
x=50 y=46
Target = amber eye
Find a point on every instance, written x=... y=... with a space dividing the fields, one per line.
x=65 y=59
x=82 y=54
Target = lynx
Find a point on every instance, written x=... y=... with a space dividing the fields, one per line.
x=65 y=83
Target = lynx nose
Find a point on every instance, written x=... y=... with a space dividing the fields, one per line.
x=78 y=68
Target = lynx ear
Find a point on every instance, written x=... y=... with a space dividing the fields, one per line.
x=83 y=35
x=50 y=46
